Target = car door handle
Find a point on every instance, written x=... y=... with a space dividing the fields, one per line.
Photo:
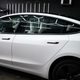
x=53 y=42
x=5 y=38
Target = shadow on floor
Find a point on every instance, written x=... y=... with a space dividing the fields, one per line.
x=9 y=74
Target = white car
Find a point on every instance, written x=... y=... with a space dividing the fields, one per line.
x=42 y=44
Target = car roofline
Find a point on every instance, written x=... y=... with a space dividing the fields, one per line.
x=46 y=14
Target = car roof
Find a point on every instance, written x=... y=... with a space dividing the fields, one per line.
x=45 y=14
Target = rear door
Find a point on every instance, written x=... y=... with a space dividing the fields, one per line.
x=38 y=39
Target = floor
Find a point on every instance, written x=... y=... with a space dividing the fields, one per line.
x=9 y=74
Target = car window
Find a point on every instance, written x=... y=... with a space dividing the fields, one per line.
x=34 y=24
x=73 y=28
x=9 y=24
x=6 y=27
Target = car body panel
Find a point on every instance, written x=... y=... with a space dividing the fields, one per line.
x=33 y=51
x=5 y=48
x=72 y=48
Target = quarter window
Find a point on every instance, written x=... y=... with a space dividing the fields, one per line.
x=73 y=28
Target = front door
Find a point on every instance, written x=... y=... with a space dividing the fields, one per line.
x=8 y=27
x=6 y=38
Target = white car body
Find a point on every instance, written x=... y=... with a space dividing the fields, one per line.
x=31 y=53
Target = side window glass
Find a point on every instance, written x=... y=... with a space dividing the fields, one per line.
x=62 y=24
x=69 y=27
x=72 y=28
x=9 y=24
x=6 y=27
x=28 y=24
x=54 y=25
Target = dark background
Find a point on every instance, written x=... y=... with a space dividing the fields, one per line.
x=72 y=11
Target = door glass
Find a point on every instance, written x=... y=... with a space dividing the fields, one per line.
x=9 y=24
x=6 y=27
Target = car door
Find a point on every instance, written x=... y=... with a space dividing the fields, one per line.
x=8 y=27
x=6 y=37
x=38 y=39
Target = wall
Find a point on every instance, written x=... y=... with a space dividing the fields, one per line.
x=55 y=7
